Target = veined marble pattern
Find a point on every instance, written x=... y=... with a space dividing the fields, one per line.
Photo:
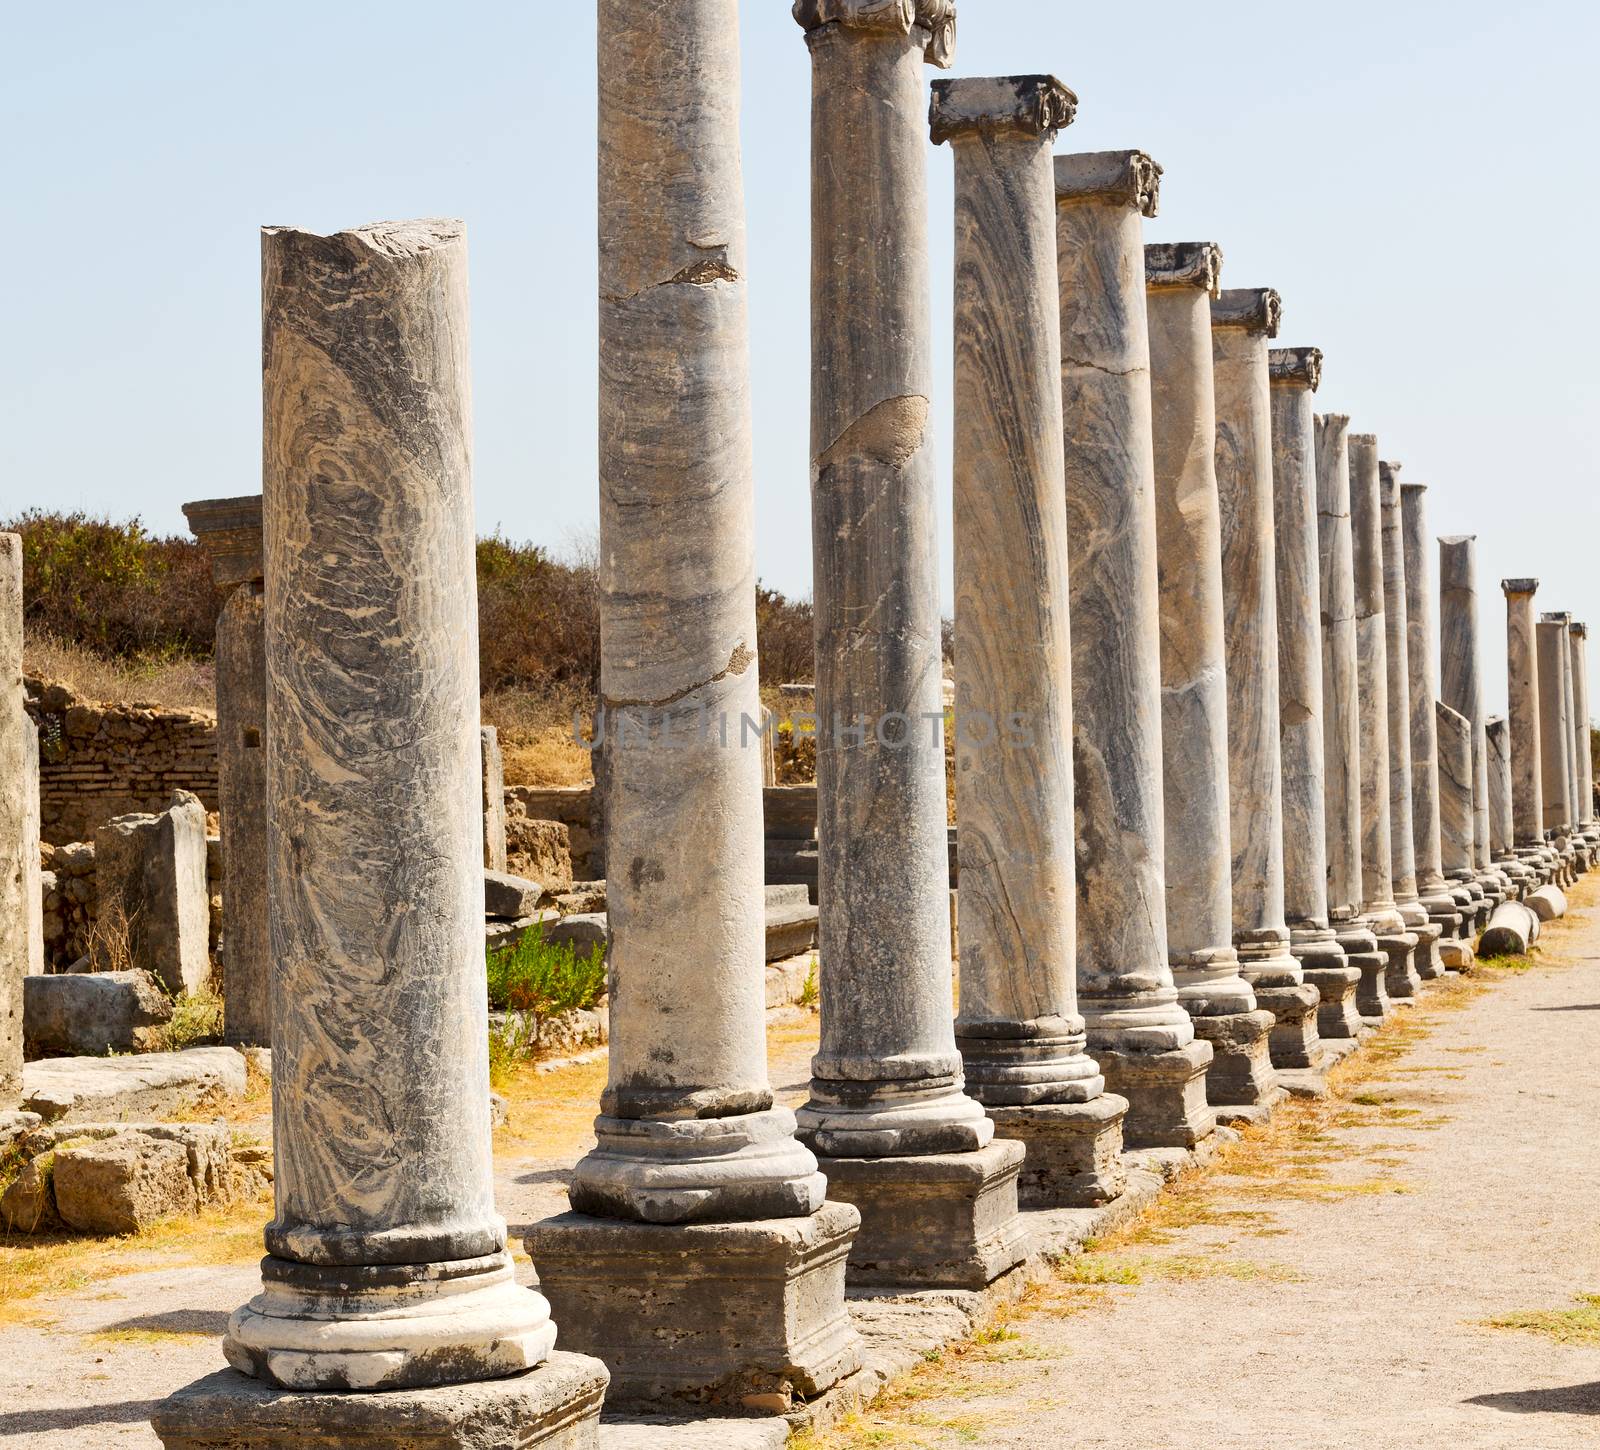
x=1341 y=707
x=1455 y=792
x=1124 y=982
x=1554 y=726
x=1497 y=740
x=380 y=1080
x=1402 y=851
x=14 y=880
x=1372 y=673
x=1460 y=674
x=1422 y=692
x=1522 y=691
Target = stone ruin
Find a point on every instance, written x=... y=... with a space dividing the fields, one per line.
x=1241 y=832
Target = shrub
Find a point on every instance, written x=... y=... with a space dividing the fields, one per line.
x=542 y=979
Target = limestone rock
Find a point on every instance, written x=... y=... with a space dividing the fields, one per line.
x=540 y=849
x=101 y=1089
x=509 y=898
x=93 y=1013
x=791 y=929
x=588 y=897
x=121 y=1185
x=28 y=1205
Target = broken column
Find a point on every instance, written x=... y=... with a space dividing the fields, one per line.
x=1140 y=1036
x=494 y=798
x=1295 y=373
x=887 y=1113
x=14 y=723
x=1554 y=728
x=1021 y=1038
x=1242 y=323
x=1372 y=688
x=694 y=1164
x=1180 y=280
x=1578 y=634
x=1341 y=707
x=1432 y=889
x=1522 y=692
x=230 y=531
x=1402 y=849
x=387 y=1267
x=1461 y=688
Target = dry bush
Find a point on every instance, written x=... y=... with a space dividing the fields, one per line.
x=175 y=684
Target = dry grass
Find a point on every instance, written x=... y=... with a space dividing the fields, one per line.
x=536 y=739
x=176 y=684
x=1579 y=1325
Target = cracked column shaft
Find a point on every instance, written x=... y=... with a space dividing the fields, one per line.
x=1138 y=1032
x=1522 y=699
x=1295 y=374
x=1180 y=280
x=1555 y=725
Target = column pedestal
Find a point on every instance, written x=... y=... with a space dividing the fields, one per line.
x=1165 y=1092
x=1074 y=1151
x=1324 y=958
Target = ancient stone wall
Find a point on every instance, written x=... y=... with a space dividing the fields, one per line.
x=99 y=761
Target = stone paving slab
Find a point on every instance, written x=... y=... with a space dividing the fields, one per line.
x=117 y=1089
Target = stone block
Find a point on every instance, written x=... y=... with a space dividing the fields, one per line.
x=585 y=898
x=786 y=895
x=510 y=898
x=106 y=1089
x=714 y=1311
x=553 y=1407
x=1294 y=1041
x=539 y=849
x=1166 y=1094
x=1240 y=1074
x=791 y=930
x=1372 y=995
x=93 y=1013
x=939 y=1220
x=1337 y=1018
x=1457 y=956
x=583 y=929
x=1074 y=1151
x=790 y=812
x=151 y=877
x=1400 y=977
x=28 y=1205
x=122 y=1185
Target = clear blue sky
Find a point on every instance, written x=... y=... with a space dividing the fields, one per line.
x=1418 y=180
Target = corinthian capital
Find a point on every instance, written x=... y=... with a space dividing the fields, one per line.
x=1183 y=264
x=936 y=18
x=1029 y=105
x=1296 y=366
x=1117 y=178
x=1256 y=309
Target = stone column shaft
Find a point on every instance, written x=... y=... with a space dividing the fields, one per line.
x=1295 y=374
x=1554 y=728
x=1570 y=700
x=1522 y=678
x=1455 y=791
x=1432 y=889
x=1139 y=1034
x=1020 y=1035
x=14 y=721
x=1372 y=681
x=1461 y=684
x=1181 y=279
x=1497 y=738
x=494 y=799
x=380 y=1071
x=1579 y=635
x=1242 y=323
x=1402 y=850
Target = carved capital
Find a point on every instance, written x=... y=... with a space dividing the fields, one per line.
x=1519 y=586
x=1117 y=178
x=1183 y=264
x=1388 y=475
x=1579 y=628
x=1411 y=490
x=1296 y=366
x=229 y=529
x=1556 y=616
x=937 y=18
x=1256 y=309
x=1029 y=105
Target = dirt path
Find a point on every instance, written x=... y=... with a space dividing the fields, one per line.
x=1330 y=1284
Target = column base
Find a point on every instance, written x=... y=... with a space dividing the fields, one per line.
x=1240 y=1074
x=1074 y=1151
x=1400 y=980
x=553 y=1407
x=1165 y=1093
x=710 y=1311
x=937 y=1221
x=1294 y=1041
x=882 y=1119
x=1372 y=961
x=1442 y=911
x=1324 y=966
x=1428 y=962
x=388 y=1326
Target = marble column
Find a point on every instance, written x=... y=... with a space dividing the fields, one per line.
x=1432 y=889
x=1341 y=706
x=1569 y=691
x=1402 y=849
x=229 y=529
x=1019 y=1031
x=32 y=867
x=387 y=1265
x=1180 y=281
x=1554 y=728
x=14 y=953
x=1139 y=1034
x=1522 y=692
x=1497 y=740
x=493 y=776
x=1455 y=792
x=1461 y=688
x=887 y=1110
x=689 y=1138
x=1578 y=633
x=1295 y=373
x=1242 y=323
